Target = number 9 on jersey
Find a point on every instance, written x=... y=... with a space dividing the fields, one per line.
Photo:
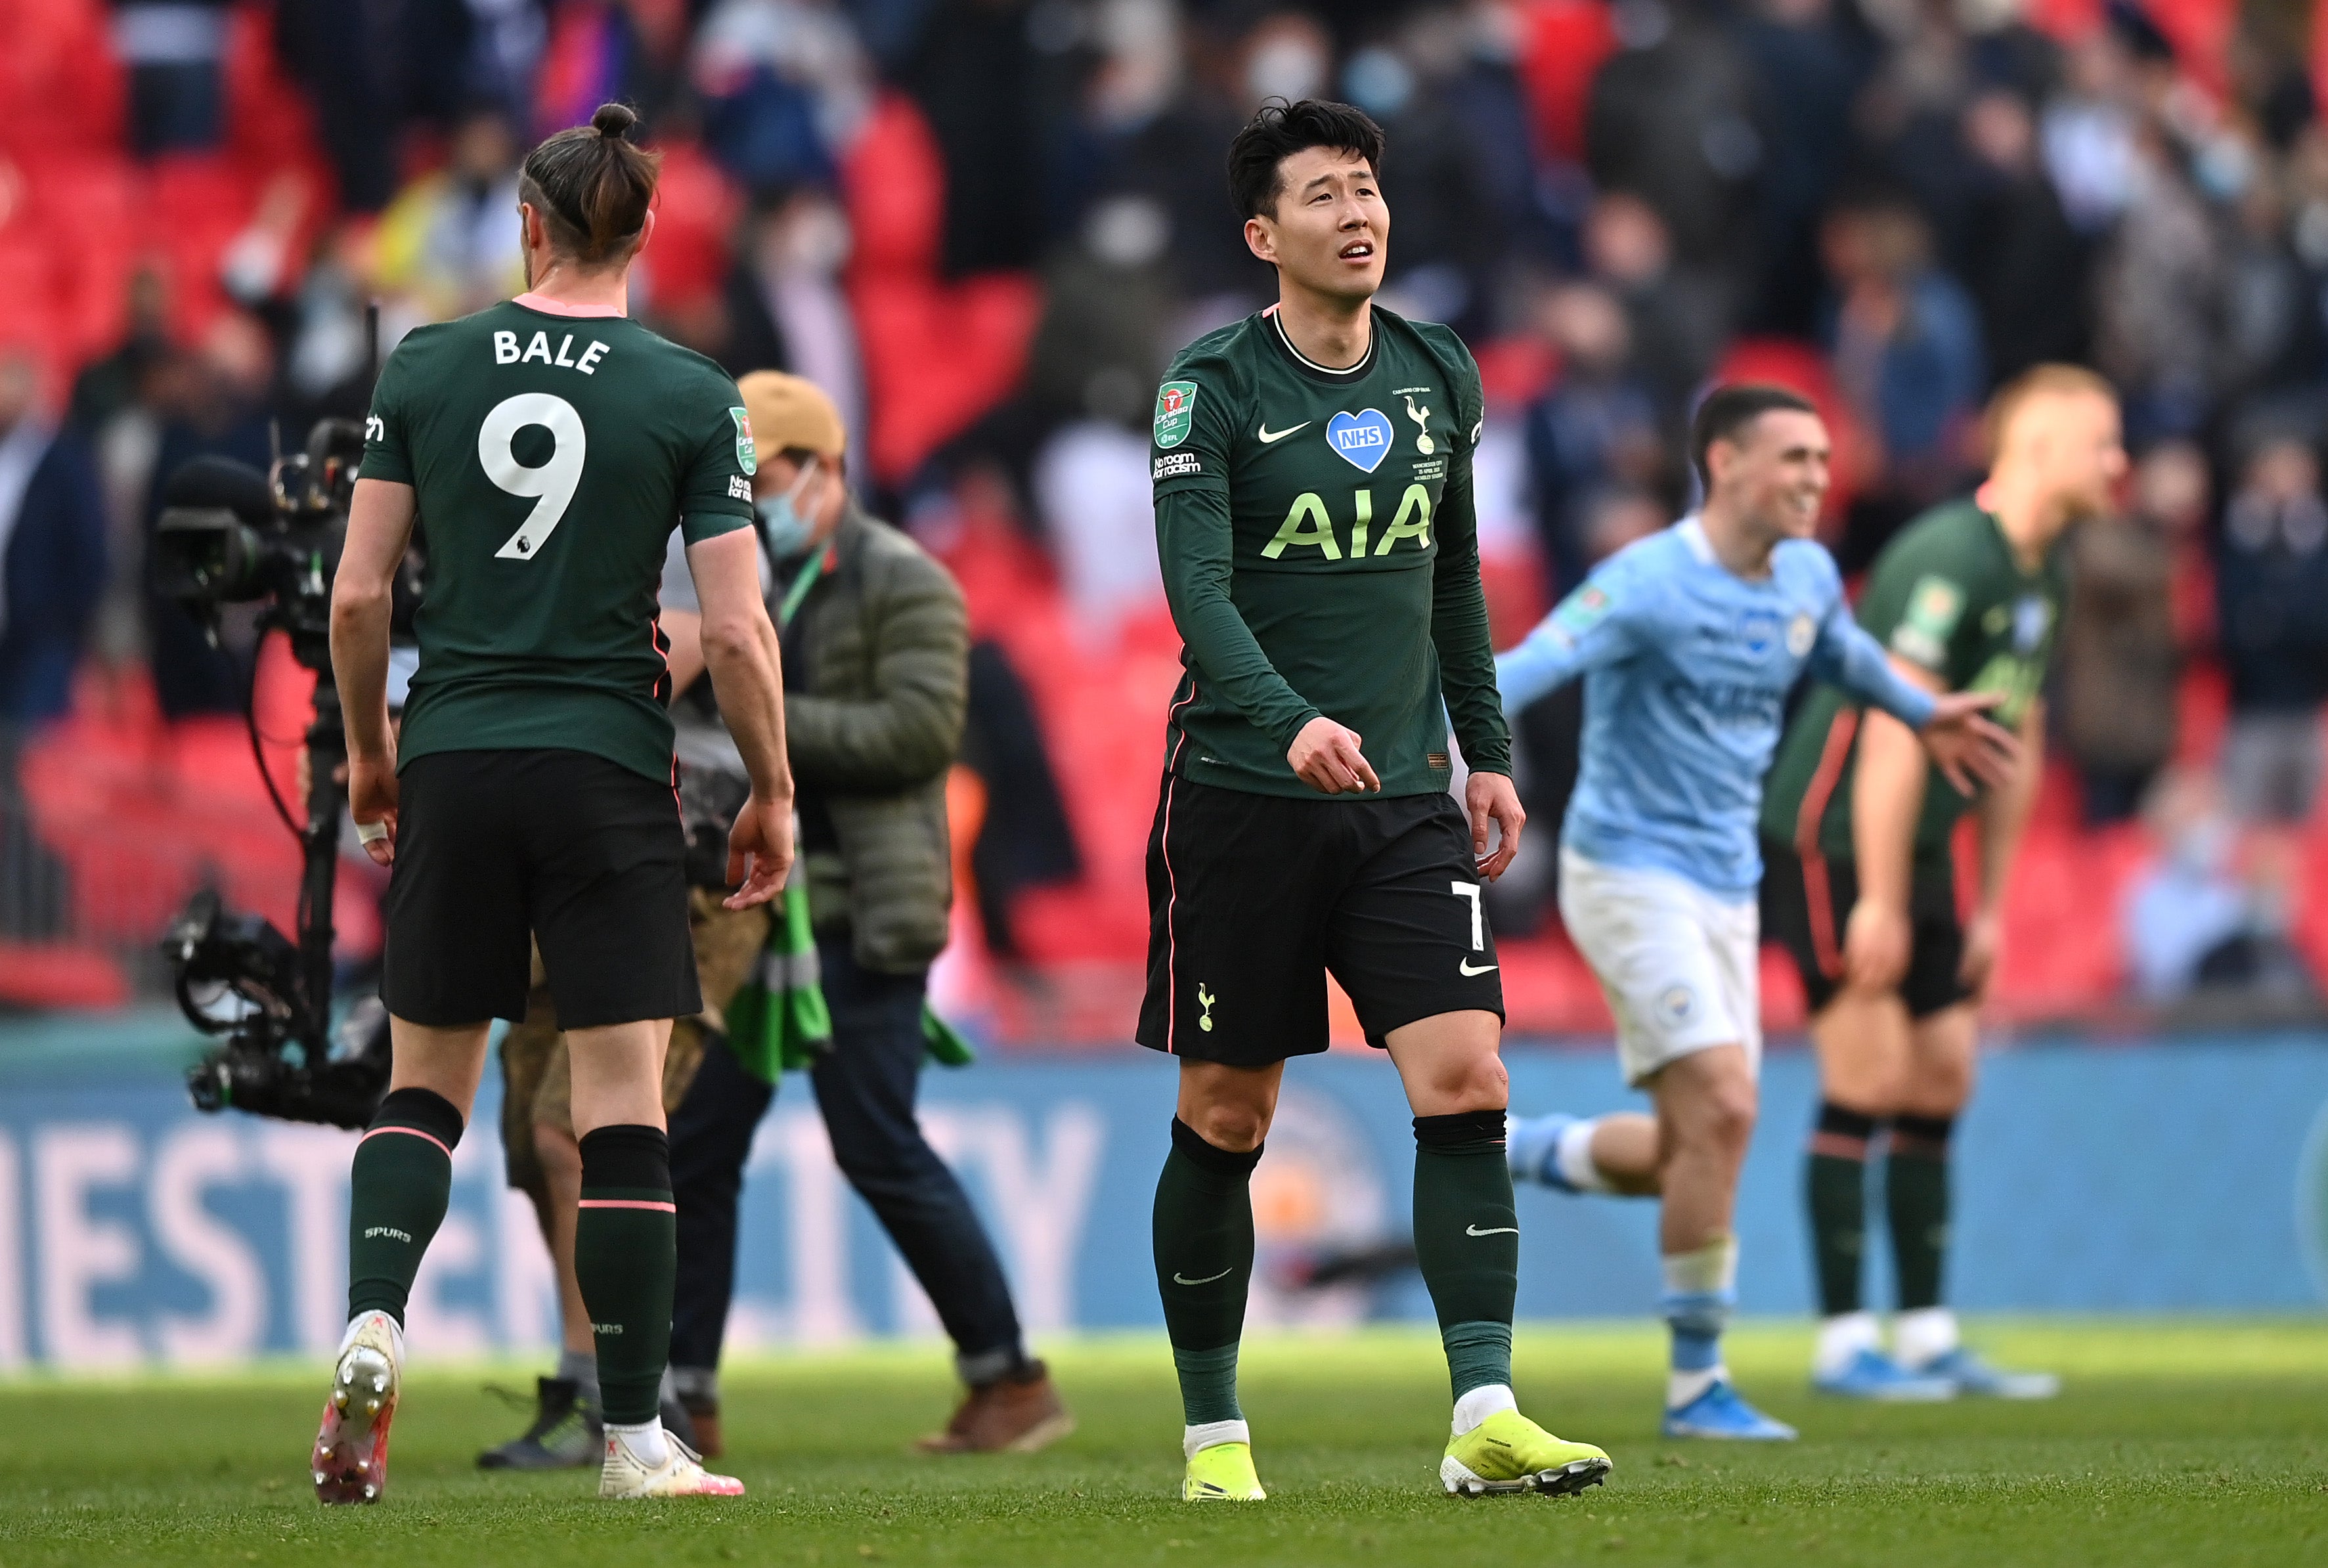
x=553 y=484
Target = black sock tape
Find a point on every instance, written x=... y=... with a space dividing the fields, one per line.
x=1926 y=1134
x=1845 y=1123
x=1459 y=1130
x=1212 y=1157
x=422 y=1111
x=630 y=1155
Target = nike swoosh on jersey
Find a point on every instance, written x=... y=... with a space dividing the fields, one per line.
x=1268 y=435
x=1472 y=1230
x=1180 y=1279
x=1467 y=968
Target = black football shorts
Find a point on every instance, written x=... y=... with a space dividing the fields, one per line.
x=1252 y=899
x=1806 y=907
x=564 y=847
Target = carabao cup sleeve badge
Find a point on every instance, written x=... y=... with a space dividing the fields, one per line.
x=747 y=454
x=1175 y=411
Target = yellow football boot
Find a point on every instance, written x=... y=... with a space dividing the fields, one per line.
x=1222 y=1473
x=1507 y=1452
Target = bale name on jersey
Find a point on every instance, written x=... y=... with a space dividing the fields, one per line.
x=551 y=456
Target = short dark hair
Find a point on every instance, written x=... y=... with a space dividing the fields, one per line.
x=1282 y=130
x=1726 y=412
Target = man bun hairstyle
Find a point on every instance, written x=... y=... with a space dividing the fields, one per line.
x=592 y=187
x=1727 y=411
x=1282 y=130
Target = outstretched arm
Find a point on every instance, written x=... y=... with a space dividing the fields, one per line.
x=1845 y=655
x=1968 y=748
x=1586 y=630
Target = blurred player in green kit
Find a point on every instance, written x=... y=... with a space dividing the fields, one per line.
x=1859 y=879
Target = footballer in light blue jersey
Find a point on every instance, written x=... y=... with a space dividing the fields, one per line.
x=1686 y=668
x=1688 y=642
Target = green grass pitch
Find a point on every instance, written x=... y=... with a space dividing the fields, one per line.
x=2175 y=1442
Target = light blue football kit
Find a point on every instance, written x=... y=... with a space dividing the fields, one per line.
x=1686 y=668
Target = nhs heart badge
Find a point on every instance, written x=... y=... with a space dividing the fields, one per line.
x=1362 y=439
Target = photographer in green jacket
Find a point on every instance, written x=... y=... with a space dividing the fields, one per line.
x=876 y=641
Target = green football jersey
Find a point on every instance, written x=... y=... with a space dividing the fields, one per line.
x=1949 y=596
x=1316 y=532
x=551 y=456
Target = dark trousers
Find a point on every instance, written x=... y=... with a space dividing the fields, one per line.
x=865 y=1087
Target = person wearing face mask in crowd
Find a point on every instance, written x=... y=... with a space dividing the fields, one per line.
x=876 y=639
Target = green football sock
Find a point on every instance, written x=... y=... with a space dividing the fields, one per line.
x=1916 y=1199
x=398 y=1188
x=1466 y=1240
x=626 y=1258
x=1835 y=1179
x=1204 y=1265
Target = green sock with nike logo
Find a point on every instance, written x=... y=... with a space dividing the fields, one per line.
x=1466 y=1241
x=1204 y=1263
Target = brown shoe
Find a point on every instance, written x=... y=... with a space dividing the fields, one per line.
x=705 y=1416
x=1018 y=1414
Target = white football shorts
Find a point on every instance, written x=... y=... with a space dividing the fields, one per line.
x=1679 y=966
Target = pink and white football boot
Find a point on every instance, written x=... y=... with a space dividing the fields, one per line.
x=626 y=1474
x=350 y=1458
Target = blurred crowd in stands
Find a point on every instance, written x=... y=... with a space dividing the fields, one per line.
x=985 y=225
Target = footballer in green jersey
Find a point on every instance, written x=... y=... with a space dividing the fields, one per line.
x=1859 y=880
x=1949 y=597
x=554 y=454
x=1314 y=523
x=549 y=446
x=1349 y=503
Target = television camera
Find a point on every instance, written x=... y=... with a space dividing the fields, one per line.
x=230 y=534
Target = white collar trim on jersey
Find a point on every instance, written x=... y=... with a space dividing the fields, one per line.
x=1282 y=337
x=1693 y=534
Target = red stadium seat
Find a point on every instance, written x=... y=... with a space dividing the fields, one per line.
x=937 y=356
x=84 y=205
x=1562 y=44
x=895 y=183
x=696 y=209
x=59 y=77
x=195 y=206
x=268 y=123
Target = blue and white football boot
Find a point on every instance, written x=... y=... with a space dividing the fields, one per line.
x=1872 y=1375
x=1719 y=1412
x=1531 y=1144
x=1971 y=1375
